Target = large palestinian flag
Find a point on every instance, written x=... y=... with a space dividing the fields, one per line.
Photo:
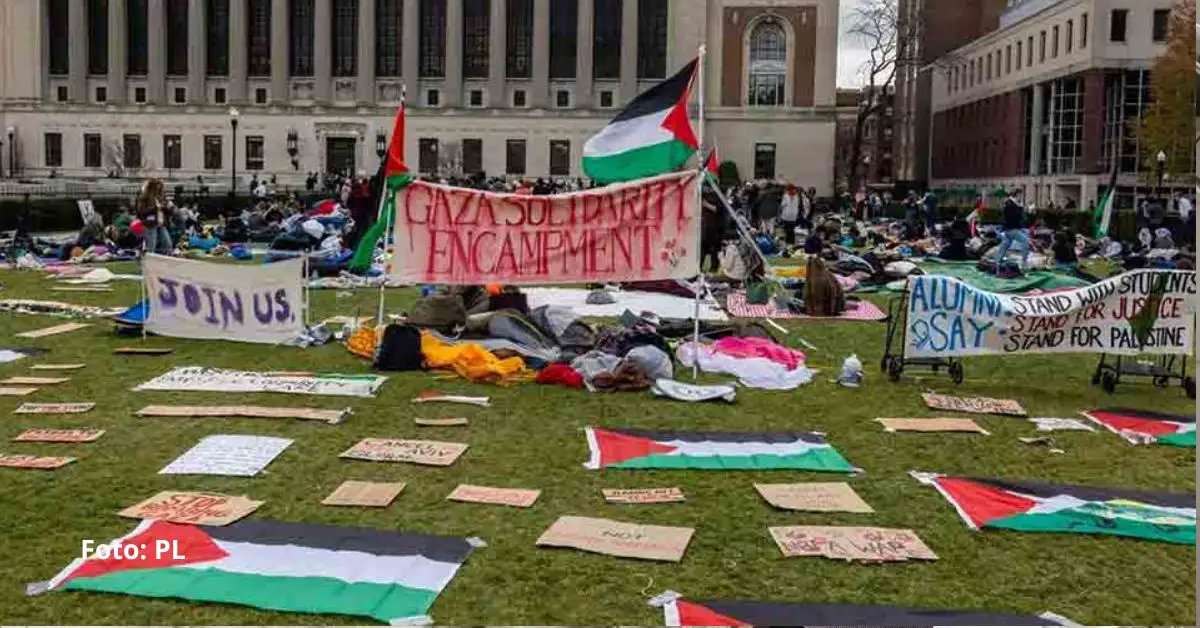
x=652 y=136
x=295 y=567
x=679 y=612
x=719 y=451
x=1033 y=507
x=1140 y=427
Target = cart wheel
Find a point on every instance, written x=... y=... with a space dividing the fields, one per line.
x=956 y=372
x=1162 y=382
x=883 y=364
x=895 y=369
x=1096 y=378
x=1109 y=382
x=1189 y=386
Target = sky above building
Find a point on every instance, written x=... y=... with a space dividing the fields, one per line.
x=852 y=51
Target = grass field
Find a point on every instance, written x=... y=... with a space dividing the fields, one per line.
x=532 y=438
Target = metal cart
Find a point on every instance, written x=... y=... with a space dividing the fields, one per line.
x=1162 y=370
x=894 y=363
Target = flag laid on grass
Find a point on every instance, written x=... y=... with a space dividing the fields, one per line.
x=1141 y=427
x=652 y=136
x=1033 y=507
x=719 y=451
x=392 y=176
x=1102 y=219
x=294 y=567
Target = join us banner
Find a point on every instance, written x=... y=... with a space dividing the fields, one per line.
x=1141 y=312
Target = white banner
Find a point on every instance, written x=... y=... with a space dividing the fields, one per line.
x=1141 y=312
x=201 y=379
x=191 y=299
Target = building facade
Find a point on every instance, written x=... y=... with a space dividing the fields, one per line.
x=284 y=87
x=876 y=159
x=1052 y=101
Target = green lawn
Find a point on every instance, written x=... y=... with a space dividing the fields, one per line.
x=532 y=438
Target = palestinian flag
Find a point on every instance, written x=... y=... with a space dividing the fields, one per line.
x=392 y=176
x=712 y=167
x=1033 y=507
x=1102 y=219
x=295 y=567
x=679 y=612
x=652 y=136
x=1141 y=427
x=717 y=451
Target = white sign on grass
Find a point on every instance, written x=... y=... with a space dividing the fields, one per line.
x=226 y=454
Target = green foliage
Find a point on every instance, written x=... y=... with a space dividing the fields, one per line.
x=1170 y=123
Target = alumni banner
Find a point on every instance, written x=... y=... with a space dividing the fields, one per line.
x=1145 y=311
x=193 y=299
x=647 y=229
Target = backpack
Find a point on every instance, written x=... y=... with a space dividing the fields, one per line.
x=400 y=349
x=439 y=311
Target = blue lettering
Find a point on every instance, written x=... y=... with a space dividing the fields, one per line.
x=918 y=294
x=284 y=311
x=231 y=309
x=168 y=296
x=191 y=299
x=211 y=319
x=263 y=314
x=980 y=330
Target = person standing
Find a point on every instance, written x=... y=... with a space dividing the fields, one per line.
x=767 y=209
x=789 y=213
x=152 y=211
x=1013 y=232
x=931 y=211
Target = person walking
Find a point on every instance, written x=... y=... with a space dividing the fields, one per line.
x=1013 y=232
x=789 y=213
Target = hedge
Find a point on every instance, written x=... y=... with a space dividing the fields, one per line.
x=62 y=214
x=1124 y=222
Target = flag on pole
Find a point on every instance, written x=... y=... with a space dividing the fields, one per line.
x=652 y=136
x=712 y=166
x=392 y=176
x=1104 y=209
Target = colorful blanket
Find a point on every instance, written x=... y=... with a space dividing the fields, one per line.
x=855 y=310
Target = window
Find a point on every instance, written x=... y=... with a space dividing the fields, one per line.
x=177 y=37
x=91 y=150
x=764 y=161
x=1117 y=24
x=180 y=95
x=132 y=143
x=219 y=95
x=136 y=37
x=519 y=98
x=389 y=18
x=564 y=37
x=606 y=98
x=218 y=37
x=1161 y=20
x=101 y=94
x=519 y=36
x=97 y=26
x=254 y=152
x=172 y=152
x=476 y=98
x=139 y=95
x=260 y=95
x=1020 y=56
x=212 y=152
x=1029 y=52
x=475 y=36
x=433 y=38
x=59 y=37
x=560 y=158
x=606 y=40
x=1042 y=48
x=989 y=67
x=344 y=37
x=1070 y=36
x=301 y=37
x=472 y=156
x=1066 y=126
x=258 y=37
x=432 y=98
x=428 y=151
x=61 y=93
x=53 y=145
x=562 y=99
x=1008 y=59
x=768 y=64
x=514 y=157
x=1083 y=30
x=652 y=39
x=1054 y=44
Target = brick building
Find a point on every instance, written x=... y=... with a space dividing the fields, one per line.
x=877 y=161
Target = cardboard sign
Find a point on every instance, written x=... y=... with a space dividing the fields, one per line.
x=333 y=417
x=1056 y=424
x=202 y=379
x=22 y=461
x=634 y=231
x=426 y=452
x=51 y=435
x=441 y=422
x=1139 y=312
x=87 y=212
x=81 y=289
x=851 y=543
x=205 y=509
x=814 y=497
x=616 y=538
x=931 y=425
x=642 y=495
x=51 y=331
x=226 y=454
x=370 y=494
x=36 y=381
x=142 y=351
x=57 y=367
x=16 y=392
x=54 y=408
x=432 y=397
x=516 y=497
x=973 y=405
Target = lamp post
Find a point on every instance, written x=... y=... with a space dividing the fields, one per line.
x=171 y=144
x=380 y=145
x=1161 y=159
x=12 y=152
x=293 y=148
x=233 y=124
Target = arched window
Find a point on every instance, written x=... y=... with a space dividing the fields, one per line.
x=768 y=64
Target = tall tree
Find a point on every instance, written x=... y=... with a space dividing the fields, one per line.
x=1171 y=120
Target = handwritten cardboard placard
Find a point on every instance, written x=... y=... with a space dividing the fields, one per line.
x=57 y=367
x=426 y=452
x=515 y=497
x=617 y=538
x=52 y=435
x=228 y=454
x=458 y=422
x=851 y=543
x=54 y=408
x=35 y=381
x=814 y=497
x=931 y=425
x=332 y=417
x=51 y=331
x=369 y=494
x=9 y=391
x=973 y=405
x=206 y=509
x=642 y=495
x=22 y=461
x=142 y=351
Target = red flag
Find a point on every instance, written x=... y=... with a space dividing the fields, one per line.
x=712 y=165
x=395 y=170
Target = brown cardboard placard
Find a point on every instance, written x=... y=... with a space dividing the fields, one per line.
x=54 y=408
x=814 y=497
x=617 y=538
x=22 y=461
x=458 y=422
x=426 y=452
x=974 y=405
x=81 y=289
x=34 y=381
x=51 y=331
x=851 y=543
x=332 y=417
x=16 y=391
x=434 y=397
x=371 y=494
x=206 y=509
x=57 y=367
x=142 y=351
x=931 y=425
x=515 y=497
x=642 y=495
x=55 y=435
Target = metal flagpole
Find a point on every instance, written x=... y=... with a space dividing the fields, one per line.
x=145 y=291
x=391 y=218
x=307 y=290
x=700 y=285
x=737 y=222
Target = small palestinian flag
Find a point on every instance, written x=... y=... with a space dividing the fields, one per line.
x=1032 y=507
x=717 y=451
x=712 y=167
x=679 y=612
x=1141 y=427
x=296 y=567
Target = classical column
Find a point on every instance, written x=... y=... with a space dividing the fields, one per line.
x=497 y=53
x=1035 y=130
x=156 y=46
x=197 y=51
x=629 y=49
x=323 y=52
x=238 y=40
x=584 y=55
x=280 y=61
x=366 y=52
x=117 y=89
x=78 y=32
x=541 y=54
x=410 y=42
x=454 y=53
